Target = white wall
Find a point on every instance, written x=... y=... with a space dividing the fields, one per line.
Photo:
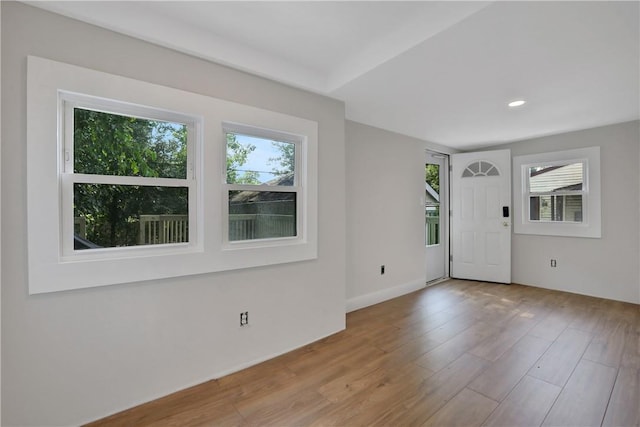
x=0 y=218
x=385 y=214
x=606 y=267
x=385 y=220
x=71 y=357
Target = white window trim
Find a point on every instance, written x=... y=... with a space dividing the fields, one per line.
x=50 y=270
x=590 y=226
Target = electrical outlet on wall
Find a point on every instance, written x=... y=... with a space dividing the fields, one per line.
x=244 y=318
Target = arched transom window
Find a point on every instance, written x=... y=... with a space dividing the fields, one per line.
x=480 y=168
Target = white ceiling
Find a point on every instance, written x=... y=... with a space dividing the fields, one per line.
x=437 y=70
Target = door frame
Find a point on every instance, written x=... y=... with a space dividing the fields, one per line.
x=444 y=214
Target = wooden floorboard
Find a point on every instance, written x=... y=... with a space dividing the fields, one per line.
x=527 y=405
x=624 y=406
x=556 y=364
x=459 y=353
x=583 y=401
x=466 y=409
x=505 y=373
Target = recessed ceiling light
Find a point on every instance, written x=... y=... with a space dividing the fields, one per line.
x=517 y=103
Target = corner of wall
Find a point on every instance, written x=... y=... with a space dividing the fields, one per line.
x=0 y=217
x=605 y=267
x=382 y=295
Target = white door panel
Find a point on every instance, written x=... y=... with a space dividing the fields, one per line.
x=480 y=227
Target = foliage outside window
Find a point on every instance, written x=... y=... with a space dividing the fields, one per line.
x=262 y=186
x=141 y=210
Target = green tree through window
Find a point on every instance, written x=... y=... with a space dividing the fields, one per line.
x=432 y=176
x=237 y=155
x=112 y=144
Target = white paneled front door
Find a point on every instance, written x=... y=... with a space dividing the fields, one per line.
x=481 y=216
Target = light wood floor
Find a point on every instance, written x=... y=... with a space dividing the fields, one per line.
x=459 y=353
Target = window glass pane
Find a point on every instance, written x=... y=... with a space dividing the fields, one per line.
x=110 y=216
x=253 y=160
x=485 y=166
x=560 y=208
x=261 y=215
x=112 y=144
x=432 y=224
x=480 y=169
x=474 y=167
x=549 y=179
x=432 y=204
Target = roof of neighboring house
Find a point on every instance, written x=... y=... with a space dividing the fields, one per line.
x=267 y=196
x=431 y=197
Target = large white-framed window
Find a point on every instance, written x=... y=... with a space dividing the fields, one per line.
x=128 y=180
x=81 y=126
x=264 y=189
x=558 y=193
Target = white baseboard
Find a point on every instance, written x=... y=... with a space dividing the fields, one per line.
x=382 y=295
x=259 y=360
x=203 y=380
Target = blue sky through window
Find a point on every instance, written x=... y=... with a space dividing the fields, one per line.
x=258 y=160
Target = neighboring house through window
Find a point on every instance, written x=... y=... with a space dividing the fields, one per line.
x=263 y=184
x=558 y=193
